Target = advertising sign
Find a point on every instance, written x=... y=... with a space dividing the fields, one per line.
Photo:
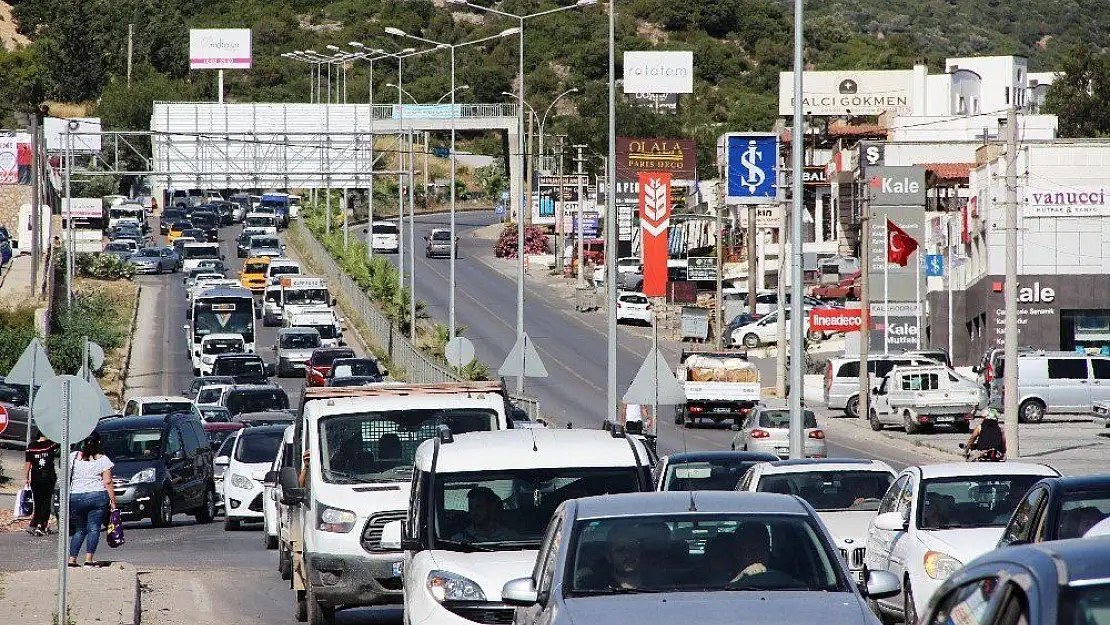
x=426 y=111
x=814 y=176
x=659 y=72
x=835 y=319
x=9 y=160
x=54 y=131
x=768 y=216
x=701 y=268
x=900 y=279
x=896 y=186
x=220 y=48
x=893 y=333
x=624 y=221
x=751 y=167
x=1066 y=201
x=639 y=154
x=84 y=207
x=655 y=219
x=658 y=102
x=849 y=92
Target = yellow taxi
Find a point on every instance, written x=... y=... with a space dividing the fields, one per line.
x=176 y=229
x=253 y=275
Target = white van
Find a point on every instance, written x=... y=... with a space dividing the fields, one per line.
x=323 y=319
x=385 y=237
x=361 y=443
x=481 y=506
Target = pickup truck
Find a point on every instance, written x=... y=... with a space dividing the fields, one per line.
x=920 y=397
x=718 y=386
x=849 y=288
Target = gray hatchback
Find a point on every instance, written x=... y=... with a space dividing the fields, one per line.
x=701 y=557
x=439 y=244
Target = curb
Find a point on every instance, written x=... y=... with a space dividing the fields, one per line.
x=133 y=614
x=126 y=370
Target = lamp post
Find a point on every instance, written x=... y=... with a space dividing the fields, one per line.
x=525 y=202
x=299 y=55
x=452 y=46
x=543 y=118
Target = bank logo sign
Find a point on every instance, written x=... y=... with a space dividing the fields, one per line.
x=751 y=167
x=849 y=92
x=659 y=72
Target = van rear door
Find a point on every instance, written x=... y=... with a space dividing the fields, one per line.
x=1069 y=386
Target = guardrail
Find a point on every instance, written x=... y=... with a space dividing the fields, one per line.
x=418 y=367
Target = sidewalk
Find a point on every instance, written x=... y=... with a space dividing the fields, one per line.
x=15 y=282
x=1072 y=444
x=104 y=596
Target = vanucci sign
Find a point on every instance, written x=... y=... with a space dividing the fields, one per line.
x=1067 y=202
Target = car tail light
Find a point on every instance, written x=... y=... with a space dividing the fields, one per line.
x=817 y=434
x=923 y=419
x=760 y=434
x=988 y=375
x=649 y=306
x=696 y=409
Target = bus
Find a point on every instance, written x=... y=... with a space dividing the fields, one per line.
x=222 y=310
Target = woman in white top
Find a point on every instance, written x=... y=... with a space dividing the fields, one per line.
x=90 y=493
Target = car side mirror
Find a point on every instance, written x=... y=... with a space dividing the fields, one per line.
x=385 y=373
x=520 y=592
x=881 y=585
x=391 y=536
x=334 y=302
x=221 y=461
x=291 y=492
x=270 y=370
x=891 y=522
x=271 y=480
x=221 y=257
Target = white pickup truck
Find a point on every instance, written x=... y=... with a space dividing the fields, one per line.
x=718 y=385
x=922 y=396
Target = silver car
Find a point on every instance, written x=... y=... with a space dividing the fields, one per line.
x=293 y=348
x=440 y=244
x=699 y=557
x=767 y=429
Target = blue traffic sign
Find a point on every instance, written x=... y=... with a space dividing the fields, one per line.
x=934 y=265
x=441 y=152
x=751 y=167
x=499 y=209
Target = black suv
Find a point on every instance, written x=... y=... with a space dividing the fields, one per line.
x=244 y=368
x=163 y=465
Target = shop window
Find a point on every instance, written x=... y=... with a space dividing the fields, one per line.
x=1067 y=368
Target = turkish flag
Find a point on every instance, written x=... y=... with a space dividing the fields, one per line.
x=655 y=219
x=899 y=245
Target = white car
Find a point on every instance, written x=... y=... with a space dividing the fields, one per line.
x=271 y=507
x=220 y=460
x=936 y=518
x=844 y=492
x=766 y=331
x=210 y=394
x=385 y=237
x=634 y=307
x=213 y=345
x=158 y=405
x=251 y=458
x=279 y=267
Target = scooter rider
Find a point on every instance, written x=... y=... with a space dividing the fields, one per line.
x=988 y=438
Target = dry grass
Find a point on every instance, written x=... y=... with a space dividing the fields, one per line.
x=126 y=296
x=10 y=38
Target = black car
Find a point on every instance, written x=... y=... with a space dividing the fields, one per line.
x=163 y=465
x=13 y=398
x=197 y=234
x=243 y=398
x=244 y=368
x=354 y=380
x=135 y=233
x=170 y=216
x=209 y=222
x=1058 y=508
x=706 y=470
x=354 y=367
x=226 y=211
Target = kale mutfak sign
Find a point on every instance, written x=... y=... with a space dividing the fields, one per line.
x=849 y=92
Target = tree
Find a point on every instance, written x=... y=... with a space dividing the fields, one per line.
x=1081 y=97
x=75 y=48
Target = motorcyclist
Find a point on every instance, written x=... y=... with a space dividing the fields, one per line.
x=988 y=437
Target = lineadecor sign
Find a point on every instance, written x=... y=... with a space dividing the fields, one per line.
x=835 y=319
x=220 y=48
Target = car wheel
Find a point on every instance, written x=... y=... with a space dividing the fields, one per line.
x=911 y=424
x=852 y=407
x=1031 y=411
x=281 y=368
x=815 y=335
x=963 y=427
x=875 y=423
x=910 y=609
x=163 y=514
x=207 y=510
x=318 y=614
x=285 y=564
x=230 y=524
x=751 y=341
x=271 y=542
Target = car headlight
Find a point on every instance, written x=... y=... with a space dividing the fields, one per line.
x=207 y=360
x=241 y=481
x=336 y=519
x=446 y=586
x=940 y=565
x=143 y=477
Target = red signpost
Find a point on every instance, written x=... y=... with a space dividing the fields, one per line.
x=835 y=319
x=3 y=419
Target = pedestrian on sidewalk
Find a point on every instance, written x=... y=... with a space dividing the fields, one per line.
x=40 y=470
x=91 y=494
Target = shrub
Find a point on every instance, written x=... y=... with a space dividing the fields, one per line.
x=17 y=328
x=92 y=314
x=535 y=241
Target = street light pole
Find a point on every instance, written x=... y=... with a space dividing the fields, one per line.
x=797 y=328
x=611 y=223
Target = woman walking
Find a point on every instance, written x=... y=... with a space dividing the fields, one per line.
x=91 y=493
x=41 y=475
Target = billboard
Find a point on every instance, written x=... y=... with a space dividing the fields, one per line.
x=659 y=72
x=901 y=281
x=751 y=167
x=655 y=219
x=639 y=154
x=219 y=48
x=9 y=160
x=701 y=268
x=835 y=319
x=849 y=92
x=1066 y=201
x=54 y=131
x=658 y=102
x=83 y=207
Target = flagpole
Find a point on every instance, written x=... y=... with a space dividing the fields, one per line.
x=886 y=286
x=920 y=300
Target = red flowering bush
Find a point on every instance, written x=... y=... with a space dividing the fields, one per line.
x=535 y=241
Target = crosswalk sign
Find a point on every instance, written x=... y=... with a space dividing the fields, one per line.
x=934 y=265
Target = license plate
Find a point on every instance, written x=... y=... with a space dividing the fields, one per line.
x=722 y=410
x=858 y=575
x=948 y=419
x=397 y=567
x=782 y=450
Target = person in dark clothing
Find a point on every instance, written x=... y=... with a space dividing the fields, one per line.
x=41 y=474
x=988 y=435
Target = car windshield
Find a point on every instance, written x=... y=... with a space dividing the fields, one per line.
x=123 y=445
x=1084 y=605
x=356 y=368
x=780 y=419
x=1080 y=511
x=261 y=242
x=214 y=414
x=329 y=356
x=300 y=340
x=965 y=502
x=328 y=331
x=634 y=299
x=256 y=400
x=511 y=509
x=202 y=251
x=441 y=236
x=260 y=222
x=257 y=445
x=210 y=395
x=305 y=297
x=717 y=474
x=830 y=491
x=223 y=346
x=149 y=252
x=238 y=366
x=160 y=407
x=352 y=381
x=381 y=446
x=255 y=267
x=119 y=247
x=284 y=270
x=700 y=553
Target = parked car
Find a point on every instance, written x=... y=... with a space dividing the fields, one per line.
x=706 y=470
x=439 y=243
x=251 y=457
x=1064 y=582
x=767 y=429
x=842 y=377
x=155 y=260
x=671 y=557
x=634 y=307
x=14 y=400
x=935 y=518
x=1054 y=382
x=163 y=465
x=318 y=367
x=765 y=331
x=738 y=321
x=921 y=397
x=1058 y=508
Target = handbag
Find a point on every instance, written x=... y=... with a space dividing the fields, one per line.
x=24 y=503
x=115 y=530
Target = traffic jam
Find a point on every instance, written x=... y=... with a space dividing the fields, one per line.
x=445 y=500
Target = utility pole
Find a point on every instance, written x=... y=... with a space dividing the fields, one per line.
x=427 y=196
x=782 y=310
x=719 y=228
x=36 y=191
x=797 y=331
x=753 y=264
x=864 y=401
x=130 y=51
x=579 y=161
x=1010 y=373
x=560 y=242
x=611 y=226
